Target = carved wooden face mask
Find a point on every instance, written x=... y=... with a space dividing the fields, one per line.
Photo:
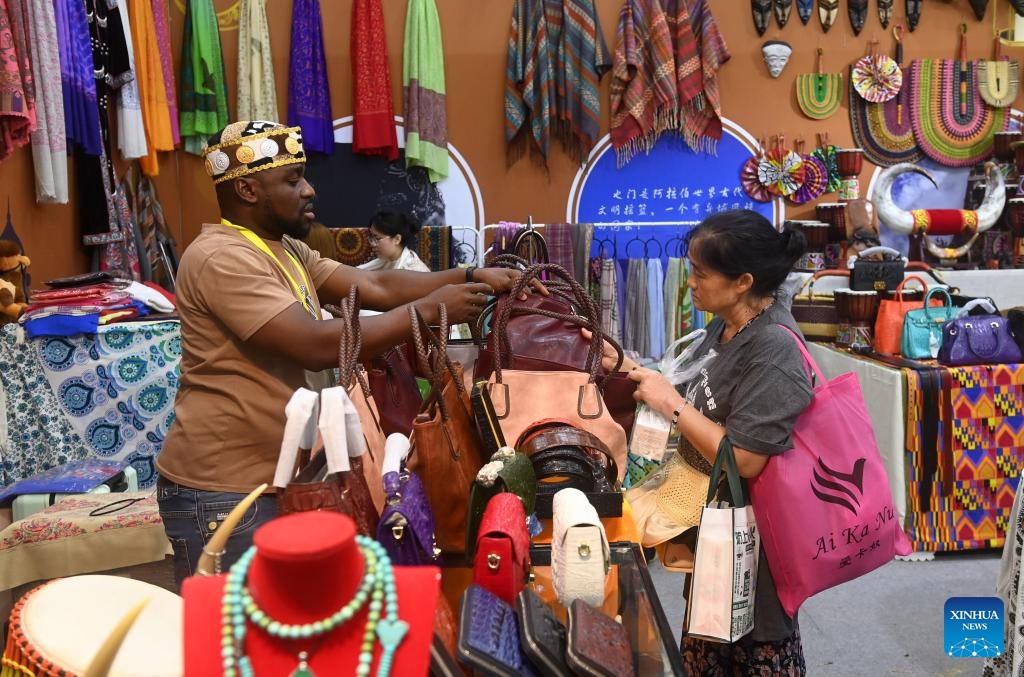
x=913 y=14
x=858 y=12
x=885 y=12
x=804 y=7
x=979 y=7
x=782 y=10
x=776 y=56
x=761 y=11
x=827 y=11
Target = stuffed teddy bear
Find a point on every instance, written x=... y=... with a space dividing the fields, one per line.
x=12 y=288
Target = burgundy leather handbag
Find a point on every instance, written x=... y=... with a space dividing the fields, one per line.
x=394 y=389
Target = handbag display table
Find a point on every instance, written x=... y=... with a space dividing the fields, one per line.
x=952 y=440
x=109 y=394
x=629 y=593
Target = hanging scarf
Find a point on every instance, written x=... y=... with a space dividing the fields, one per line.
x=611 y=322
x=656 y=298
x=581 y=60
x=17 y=92
x=159 y=114
x=157 y=243
x=426 y=122
x=204 y=103
x=163 y=43
x=703 y=119
x=582 y=236
x=309 y=96
x=257 y=95
x=689 y=77
x=883 y=130
x=78 y=86
x=559 y=242
x=952 y=125
x=529 y=83
x=49 y=144
x=131 y=129
x=670 y=296
x=373 y=124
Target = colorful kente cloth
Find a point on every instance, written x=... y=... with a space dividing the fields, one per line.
x=952 y=125
x=426 y=119
x=163 y=42
x=529 y=83
x=373 y=120
x=434 y=246
x=257 y=95
x=159 y=114
x=17 y=91
x=49 y=141
x=131 y=128
x=965 y=454
x=204 y=101
x=309 y=97
x=81 y=116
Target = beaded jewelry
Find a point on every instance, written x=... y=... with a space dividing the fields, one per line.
x=377 y=587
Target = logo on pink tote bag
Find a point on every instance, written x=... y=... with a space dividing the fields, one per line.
x=845 y=489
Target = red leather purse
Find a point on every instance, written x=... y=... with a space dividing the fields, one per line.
x=502 y=562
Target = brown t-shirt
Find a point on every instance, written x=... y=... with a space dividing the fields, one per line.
x=229 y=411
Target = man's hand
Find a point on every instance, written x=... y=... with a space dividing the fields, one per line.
x=503 y=279
x=464 y=302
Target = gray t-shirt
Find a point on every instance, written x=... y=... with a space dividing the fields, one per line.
x=756 y=386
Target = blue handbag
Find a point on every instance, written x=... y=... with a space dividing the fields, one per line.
x=922 y=327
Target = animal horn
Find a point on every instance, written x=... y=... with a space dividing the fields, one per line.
x=209 y=561
x=995 y=198
x=898 y=220
x=104 y=658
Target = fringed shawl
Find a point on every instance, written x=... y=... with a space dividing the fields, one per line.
x=309 y=96
x=204 y=103
x=49 y=144
x=426 y=119
x=131 y=130
x=257 y=93
x=581 y=60
x=163 y=44
x=373 y=126
x=159 y=114
x=705 y=119
x=17 y=91
x=529 y=83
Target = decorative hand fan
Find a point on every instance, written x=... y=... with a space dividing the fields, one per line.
x=804 y=7
x=876 y=77
x=782 y=10
x=761 y=11
x=913 y=14
x=818 y=94
x=815 y=178
x=999 y=79
x=858 y=13
x=884 y=12
x=781 y=170
x=827 y=11
x=748 y=177
x=828 y=154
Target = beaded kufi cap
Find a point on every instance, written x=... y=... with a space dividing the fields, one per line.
x=250 y=146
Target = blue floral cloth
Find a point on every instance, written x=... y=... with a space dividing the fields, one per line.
x=115 y=390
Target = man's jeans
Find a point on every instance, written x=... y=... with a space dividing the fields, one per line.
x=191 y=516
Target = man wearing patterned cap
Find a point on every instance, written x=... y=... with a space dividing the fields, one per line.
x=248 y=294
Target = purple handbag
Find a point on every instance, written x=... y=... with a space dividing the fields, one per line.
x=406 y=528
x=977 y=339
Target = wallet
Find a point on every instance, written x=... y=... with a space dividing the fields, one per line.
x=542 y=636
x=489 y=635
x=486 y=420
x=598 y=645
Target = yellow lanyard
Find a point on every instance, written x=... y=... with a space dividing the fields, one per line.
x=301 y=290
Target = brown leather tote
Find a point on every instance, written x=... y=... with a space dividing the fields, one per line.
x=345 y=492
x=445 y=451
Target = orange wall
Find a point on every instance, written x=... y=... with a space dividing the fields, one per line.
x=474 y=36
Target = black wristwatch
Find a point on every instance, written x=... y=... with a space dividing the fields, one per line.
x=469 y=274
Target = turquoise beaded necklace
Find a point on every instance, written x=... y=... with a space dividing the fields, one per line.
x=377 y=587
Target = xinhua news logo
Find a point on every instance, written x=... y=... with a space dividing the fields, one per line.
x=973 y=627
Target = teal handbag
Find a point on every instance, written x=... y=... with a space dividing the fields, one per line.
x=922 y=327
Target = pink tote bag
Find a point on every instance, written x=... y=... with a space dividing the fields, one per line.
x=824 y=507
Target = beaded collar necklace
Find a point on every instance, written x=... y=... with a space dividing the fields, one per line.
x=751 y=320
x=377 y=587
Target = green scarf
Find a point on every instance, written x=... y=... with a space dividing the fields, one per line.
x=204 y=101
x=426 y=124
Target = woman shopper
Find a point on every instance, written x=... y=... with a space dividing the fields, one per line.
x=752 y=390
x=393 y=240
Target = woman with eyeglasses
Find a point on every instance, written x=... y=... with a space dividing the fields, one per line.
x=393 y=240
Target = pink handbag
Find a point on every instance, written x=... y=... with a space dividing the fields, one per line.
x=824 y=507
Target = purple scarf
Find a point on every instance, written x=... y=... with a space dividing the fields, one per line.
x=309 y=98
x=81 y=115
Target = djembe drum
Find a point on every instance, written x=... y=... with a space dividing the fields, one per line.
x=842 y=301
x=57 y=628
x=1015 y=219
x=1001 y=146
x=850 y=161
x=834 y=214
x=863 y=310
x=816 y=234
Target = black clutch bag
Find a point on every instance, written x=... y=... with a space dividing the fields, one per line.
x=884 y=275
x=489 y=636
x=486 y=420
x=543 y=637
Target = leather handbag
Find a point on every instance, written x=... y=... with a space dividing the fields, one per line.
x=889 y=323
x=393 y=384
x=487 y=423
x=1016 y=319
x=489 y=635
x=445 y=444
x=598 y=646
x=352 y=376
x=331 y=480
x=502 y=561
x=979 y=339
x=507 y=471
x=406 y=528
x=580 y=556
x=922 y=328
x=815 y=313
x=884 y=275
x=542 y=637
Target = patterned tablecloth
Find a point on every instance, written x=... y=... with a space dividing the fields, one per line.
x=109 y=395
x=964 y=454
